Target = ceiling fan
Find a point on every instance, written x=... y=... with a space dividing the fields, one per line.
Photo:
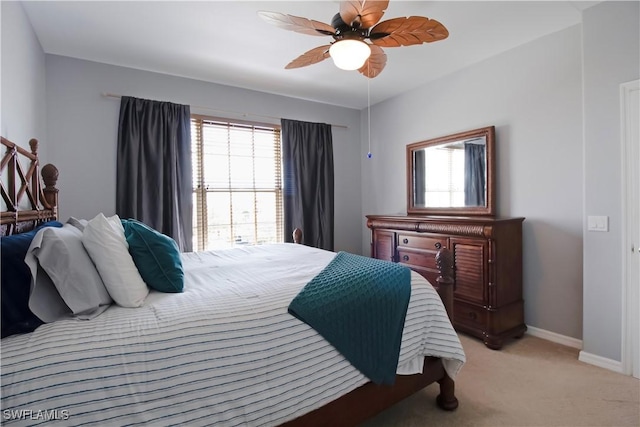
x=356 y=22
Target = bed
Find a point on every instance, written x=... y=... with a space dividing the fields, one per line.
x=225 y=351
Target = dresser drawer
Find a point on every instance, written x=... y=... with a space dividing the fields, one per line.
x=422 y=242
x=469 y=315
x=419 y=258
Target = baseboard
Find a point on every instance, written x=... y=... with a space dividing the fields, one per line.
x=592 y=359
x=553 y=337
x=601 y=362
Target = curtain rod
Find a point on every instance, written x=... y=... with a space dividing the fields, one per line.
x=112 y=95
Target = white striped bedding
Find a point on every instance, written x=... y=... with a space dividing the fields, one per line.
x=225 y=352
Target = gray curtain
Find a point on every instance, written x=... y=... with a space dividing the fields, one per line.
x=307 y=162
x=474 y=174
x=154 y=181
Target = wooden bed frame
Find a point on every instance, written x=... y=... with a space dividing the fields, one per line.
x=348 y=410
x=21 y=186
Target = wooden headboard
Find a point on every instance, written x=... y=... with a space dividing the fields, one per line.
x=25 y=202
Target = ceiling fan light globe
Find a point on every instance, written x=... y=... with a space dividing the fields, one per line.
x=349 y=54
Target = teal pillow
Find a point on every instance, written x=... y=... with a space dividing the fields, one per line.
x=156 y=256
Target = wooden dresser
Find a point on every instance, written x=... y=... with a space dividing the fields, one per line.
x=487 y=254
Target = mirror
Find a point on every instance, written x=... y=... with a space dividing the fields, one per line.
x=452 y=175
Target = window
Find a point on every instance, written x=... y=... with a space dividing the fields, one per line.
x=445 y=177
x=237 y=194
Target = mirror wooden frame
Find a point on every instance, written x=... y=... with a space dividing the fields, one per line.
x=489 y=208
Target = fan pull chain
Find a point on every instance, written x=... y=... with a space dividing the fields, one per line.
x=369 y=155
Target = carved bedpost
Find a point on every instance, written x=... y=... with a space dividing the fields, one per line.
x=35 y=179
x=33 y=144
x=50 y=178
x=447 y=399
x=444 y=261
x=297 y=236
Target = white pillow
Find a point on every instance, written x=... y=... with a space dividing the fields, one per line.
x=104 y=240
x=58 y=261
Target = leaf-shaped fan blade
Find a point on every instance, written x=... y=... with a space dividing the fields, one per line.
x=297 y=24
x=311 y=57
x=375 y=64
x=407 y=31
x=362 y=13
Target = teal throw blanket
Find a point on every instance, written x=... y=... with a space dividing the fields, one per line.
x=358 y=305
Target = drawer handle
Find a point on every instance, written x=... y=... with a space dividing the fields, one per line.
x=405 y=257
x=473 y=315
x=405 y=241
x=438 y=245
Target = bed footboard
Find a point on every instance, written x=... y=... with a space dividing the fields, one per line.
x=370 y=399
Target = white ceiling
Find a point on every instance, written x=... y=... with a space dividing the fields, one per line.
x=226 y=42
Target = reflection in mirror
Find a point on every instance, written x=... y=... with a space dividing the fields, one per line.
x=452 y=174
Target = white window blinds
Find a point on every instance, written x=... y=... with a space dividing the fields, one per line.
x=237 y=194
x=445 y=177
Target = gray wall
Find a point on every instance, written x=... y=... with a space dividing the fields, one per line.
x=533 y=95
x=548 y=171
x=82 y=132
x=23 y=80
x=611 y=33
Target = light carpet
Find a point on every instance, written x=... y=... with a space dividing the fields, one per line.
x=529 y=382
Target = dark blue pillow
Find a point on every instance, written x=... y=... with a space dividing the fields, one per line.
x=16 y=282
x=156 y=256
